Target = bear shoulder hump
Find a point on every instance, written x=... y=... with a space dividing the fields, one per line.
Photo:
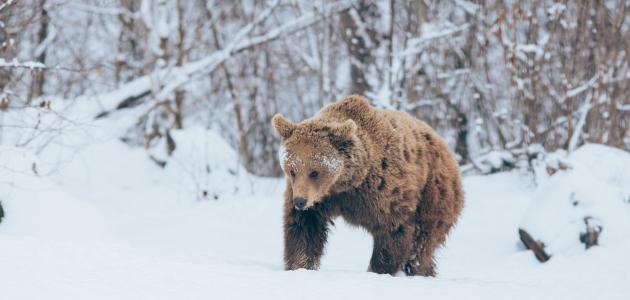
x=352 y=105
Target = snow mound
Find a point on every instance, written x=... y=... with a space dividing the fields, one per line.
x=205 y=165
x=595 y=189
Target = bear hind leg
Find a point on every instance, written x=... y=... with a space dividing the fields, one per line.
x=430 y=236
x=390 y=251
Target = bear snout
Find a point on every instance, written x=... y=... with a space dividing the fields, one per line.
x=299 y=203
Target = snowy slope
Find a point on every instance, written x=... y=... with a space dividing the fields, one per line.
x=111 y=224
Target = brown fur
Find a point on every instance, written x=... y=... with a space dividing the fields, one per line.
x=396 y=178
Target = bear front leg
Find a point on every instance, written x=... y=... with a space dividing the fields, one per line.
x=391 y=250
x=305 y=234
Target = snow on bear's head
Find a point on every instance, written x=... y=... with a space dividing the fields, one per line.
x=314 y=157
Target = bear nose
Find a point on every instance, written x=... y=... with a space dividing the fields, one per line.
x=299 y=203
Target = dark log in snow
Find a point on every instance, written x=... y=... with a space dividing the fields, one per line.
x=1 y=212
x=536 y=246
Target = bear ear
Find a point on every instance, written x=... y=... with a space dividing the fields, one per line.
x=283 y=126
x=345 y=129
x=341 y=135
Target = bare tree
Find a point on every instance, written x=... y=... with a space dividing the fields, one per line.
x=489 y=76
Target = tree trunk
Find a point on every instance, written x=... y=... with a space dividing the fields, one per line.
x=37 y=86
x=181 y=52
x=357 y=45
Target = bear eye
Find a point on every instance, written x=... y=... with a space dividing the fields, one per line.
x=313 y=174
x=292 y=173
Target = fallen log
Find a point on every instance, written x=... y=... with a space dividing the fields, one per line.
x=536 y=246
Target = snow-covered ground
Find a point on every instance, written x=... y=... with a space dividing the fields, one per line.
x=108 y=223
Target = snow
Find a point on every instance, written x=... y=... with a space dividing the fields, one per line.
x=283 y=155
x=111 y=224
x=331 y=163
x=556 y=9
x=494 y=161
x=523 y=49
x=328 y=162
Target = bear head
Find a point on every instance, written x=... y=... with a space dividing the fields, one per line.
x=319 y=158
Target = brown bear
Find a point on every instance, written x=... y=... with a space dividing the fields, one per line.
x=379 y=169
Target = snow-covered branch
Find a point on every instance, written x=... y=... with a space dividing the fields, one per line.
x=6 y=4
x=415 y=45
x=178 y=76
x=580 y=89
x=33 y=65
x=95 y=9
